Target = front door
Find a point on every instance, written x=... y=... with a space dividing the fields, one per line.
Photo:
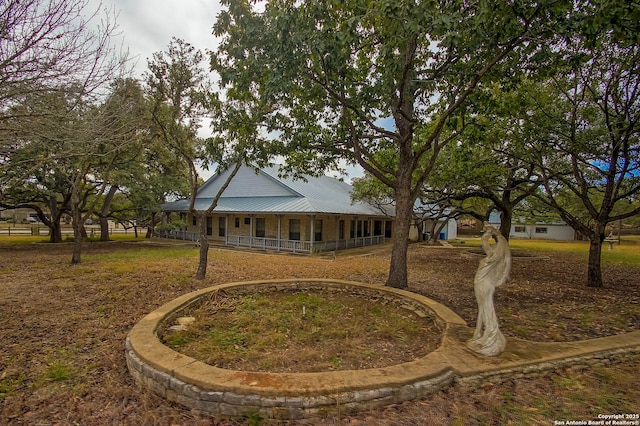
x=260 y=227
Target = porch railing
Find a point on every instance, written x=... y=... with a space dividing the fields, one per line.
x=297 y=246
x=178 y=235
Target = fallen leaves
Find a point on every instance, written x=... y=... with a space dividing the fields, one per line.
x=45 y=305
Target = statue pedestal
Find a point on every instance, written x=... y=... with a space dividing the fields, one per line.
x=494 y=345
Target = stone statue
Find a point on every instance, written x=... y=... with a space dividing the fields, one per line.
x=493 y=271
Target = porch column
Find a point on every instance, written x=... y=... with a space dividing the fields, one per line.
x=226 y=229
x=312 y=236
x=250 y=231
x=337 y=225
x=279 y=216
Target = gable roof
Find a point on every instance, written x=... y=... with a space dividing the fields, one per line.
x=263 y=191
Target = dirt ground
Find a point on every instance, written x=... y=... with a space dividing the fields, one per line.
x=63 y=329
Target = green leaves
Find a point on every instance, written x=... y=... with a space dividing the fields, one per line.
x=334 y=70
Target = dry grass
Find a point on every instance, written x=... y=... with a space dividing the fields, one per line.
x=63 y=330
x=301 y=331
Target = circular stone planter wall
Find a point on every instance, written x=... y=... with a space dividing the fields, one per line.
x=213 y=390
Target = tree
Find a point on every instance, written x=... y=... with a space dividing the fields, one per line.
x=181 y=95
x=53 y=46
x=492 y=159
x=123 y=115
x=159 y=177
x=34 y=173
x=53 y=64
x=347 y=80
x=68 y=160
x=179 y=91
x=589 y=160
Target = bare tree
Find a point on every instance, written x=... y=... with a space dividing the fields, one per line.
x=180 y=94
x=53 y=45
x=56 y=60
x=590 y=154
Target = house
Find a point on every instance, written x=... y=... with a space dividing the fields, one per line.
x=537 y=231
x=20 y=215
x=428 y=217
x=543 y=231
x=448 y=229
x=260 y=209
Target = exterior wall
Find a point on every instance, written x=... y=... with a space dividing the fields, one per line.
x=543 y=232
x=539 y=231
x=450 y=230
x=244 y=224
x=17 y=215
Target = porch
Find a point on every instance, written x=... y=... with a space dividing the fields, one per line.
x=298 y=246
x=294 y=246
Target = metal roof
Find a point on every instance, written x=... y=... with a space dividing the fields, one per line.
x=263 y=191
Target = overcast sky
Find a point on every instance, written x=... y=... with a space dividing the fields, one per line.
x=147 y=26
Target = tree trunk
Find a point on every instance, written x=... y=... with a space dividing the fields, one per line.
x=55 y=232
x=151 y=226
x=594 y=270
x=104 y=228
x=106 y=206
x=433 y=237
x=506 y=217
x=204 y=246
x=55 y=229
x=76 y=219
x=437 y=228
x=76 y=223
x=404 y=213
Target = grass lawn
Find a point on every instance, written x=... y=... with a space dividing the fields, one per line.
x=63 y=327
x=627 y=252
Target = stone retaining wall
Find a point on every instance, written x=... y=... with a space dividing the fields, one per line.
x=230 y=403
x=216 y=391
x=589 y=360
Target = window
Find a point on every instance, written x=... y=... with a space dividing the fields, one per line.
x=361 y=228
x=237 y=222
x=247 y=221
x=377 y=227
x=317 y=230
x=387 y=229
x=520 y=229
x=209 y=226
x=194 y=220
x=294 y=229
x=541 y=230
x=222 y=223
x=341 y=230
x=260 y=227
